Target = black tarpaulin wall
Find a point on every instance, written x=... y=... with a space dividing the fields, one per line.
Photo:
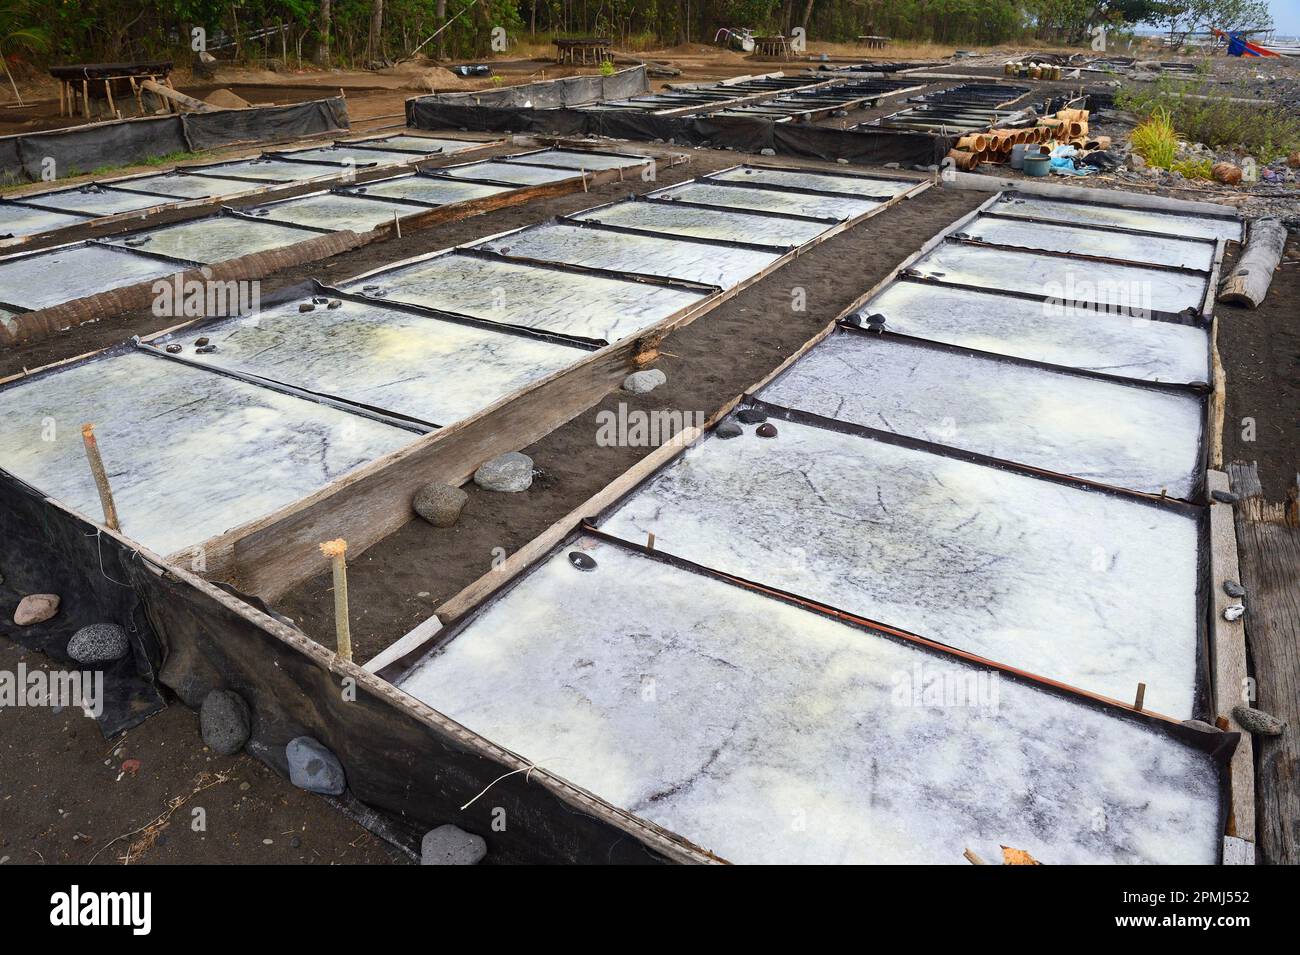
x=82 y=148
x=418 y=770
x=48 y=551
x=741 y=133
x=210 y=130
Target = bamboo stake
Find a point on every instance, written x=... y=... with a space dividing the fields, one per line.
x=101 y=477
x=337 y=550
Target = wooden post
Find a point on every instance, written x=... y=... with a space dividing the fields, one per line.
x=1141 y=696
x=85 y=97
x=101 y=477
x=336 y=551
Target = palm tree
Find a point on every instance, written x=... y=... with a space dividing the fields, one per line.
x=13 y=33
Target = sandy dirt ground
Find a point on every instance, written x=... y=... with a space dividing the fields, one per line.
x=67 y=795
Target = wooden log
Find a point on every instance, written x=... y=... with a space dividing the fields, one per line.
x=177 y=99
x=1249 y=281
x=1268 y=540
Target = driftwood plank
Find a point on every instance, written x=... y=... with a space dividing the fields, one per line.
x=1228 y=651
x=1268 y=538
x=1249 y=281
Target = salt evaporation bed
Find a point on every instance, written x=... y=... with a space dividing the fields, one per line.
x=18 y=220
x=1146 y=220
x=647 y=255
x=351 y=156
x=216 y=239
x=274 y=170
x=821 y=182
x=1115 y=245
x=189 y=453
x=1072 y=337
x=60 y=275
x=421 y=144
x=1079 y=586
x=1124 y=435
x=695 y=223
x=99 y=202
x=435 y=371
x=336 y=211
x=514 y=174
x=1118 y=286
x=723 y=715
x=763 y=200
x=182 y=186
x=429 y=189
x=576 y=159
x=585 y=306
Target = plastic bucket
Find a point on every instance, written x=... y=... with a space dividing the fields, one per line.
x=1037 y=165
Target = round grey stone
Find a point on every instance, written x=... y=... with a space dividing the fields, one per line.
x=728 y=429
x=448 y=845
x=1257 y=722
x=1233 y=589
x=511 y=472
x=439 y=504
x=313 y=767
x=99 y=643
x=751 y=416
x=640 y=382
x=224 y=722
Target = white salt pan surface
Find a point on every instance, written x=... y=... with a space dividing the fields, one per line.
x=1079 y=586
x=768 y=734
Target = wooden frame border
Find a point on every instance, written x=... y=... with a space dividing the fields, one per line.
x=673 y=847
x=274 y=553
x=1229 y=671
x=272 y=190
x=41 y=323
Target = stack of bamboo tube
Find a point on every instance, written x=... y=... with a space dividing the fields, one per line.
x=1068 y=126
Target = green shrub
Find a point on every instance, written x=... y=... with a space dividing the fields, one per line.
x=1204 y=113
x=1155 y=140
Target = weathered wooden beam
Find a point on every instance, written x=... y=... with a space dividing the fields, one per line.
x=1228 y=659
x=1268 y=539
x=1249 y=281
x=177 y=99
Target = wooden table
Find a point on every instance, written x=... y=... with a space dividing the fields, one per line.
x=83 y=80
x=583 y=50
x=774 y=47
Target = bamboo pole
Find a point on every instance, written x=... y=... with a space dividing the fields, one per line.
x=101 y=476
x=336 y=551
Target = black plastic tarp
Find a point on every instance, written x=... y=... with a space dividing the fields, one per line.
x=741 y=133
x=47 y=551
x=74 y=151
x=210 y=130
x=417 y=770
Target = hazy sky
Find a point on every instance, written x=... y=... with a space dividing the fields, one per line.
x=1286 y=16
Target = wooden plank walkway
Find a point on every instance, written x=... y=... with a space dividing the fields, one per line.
x=1268 y=540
